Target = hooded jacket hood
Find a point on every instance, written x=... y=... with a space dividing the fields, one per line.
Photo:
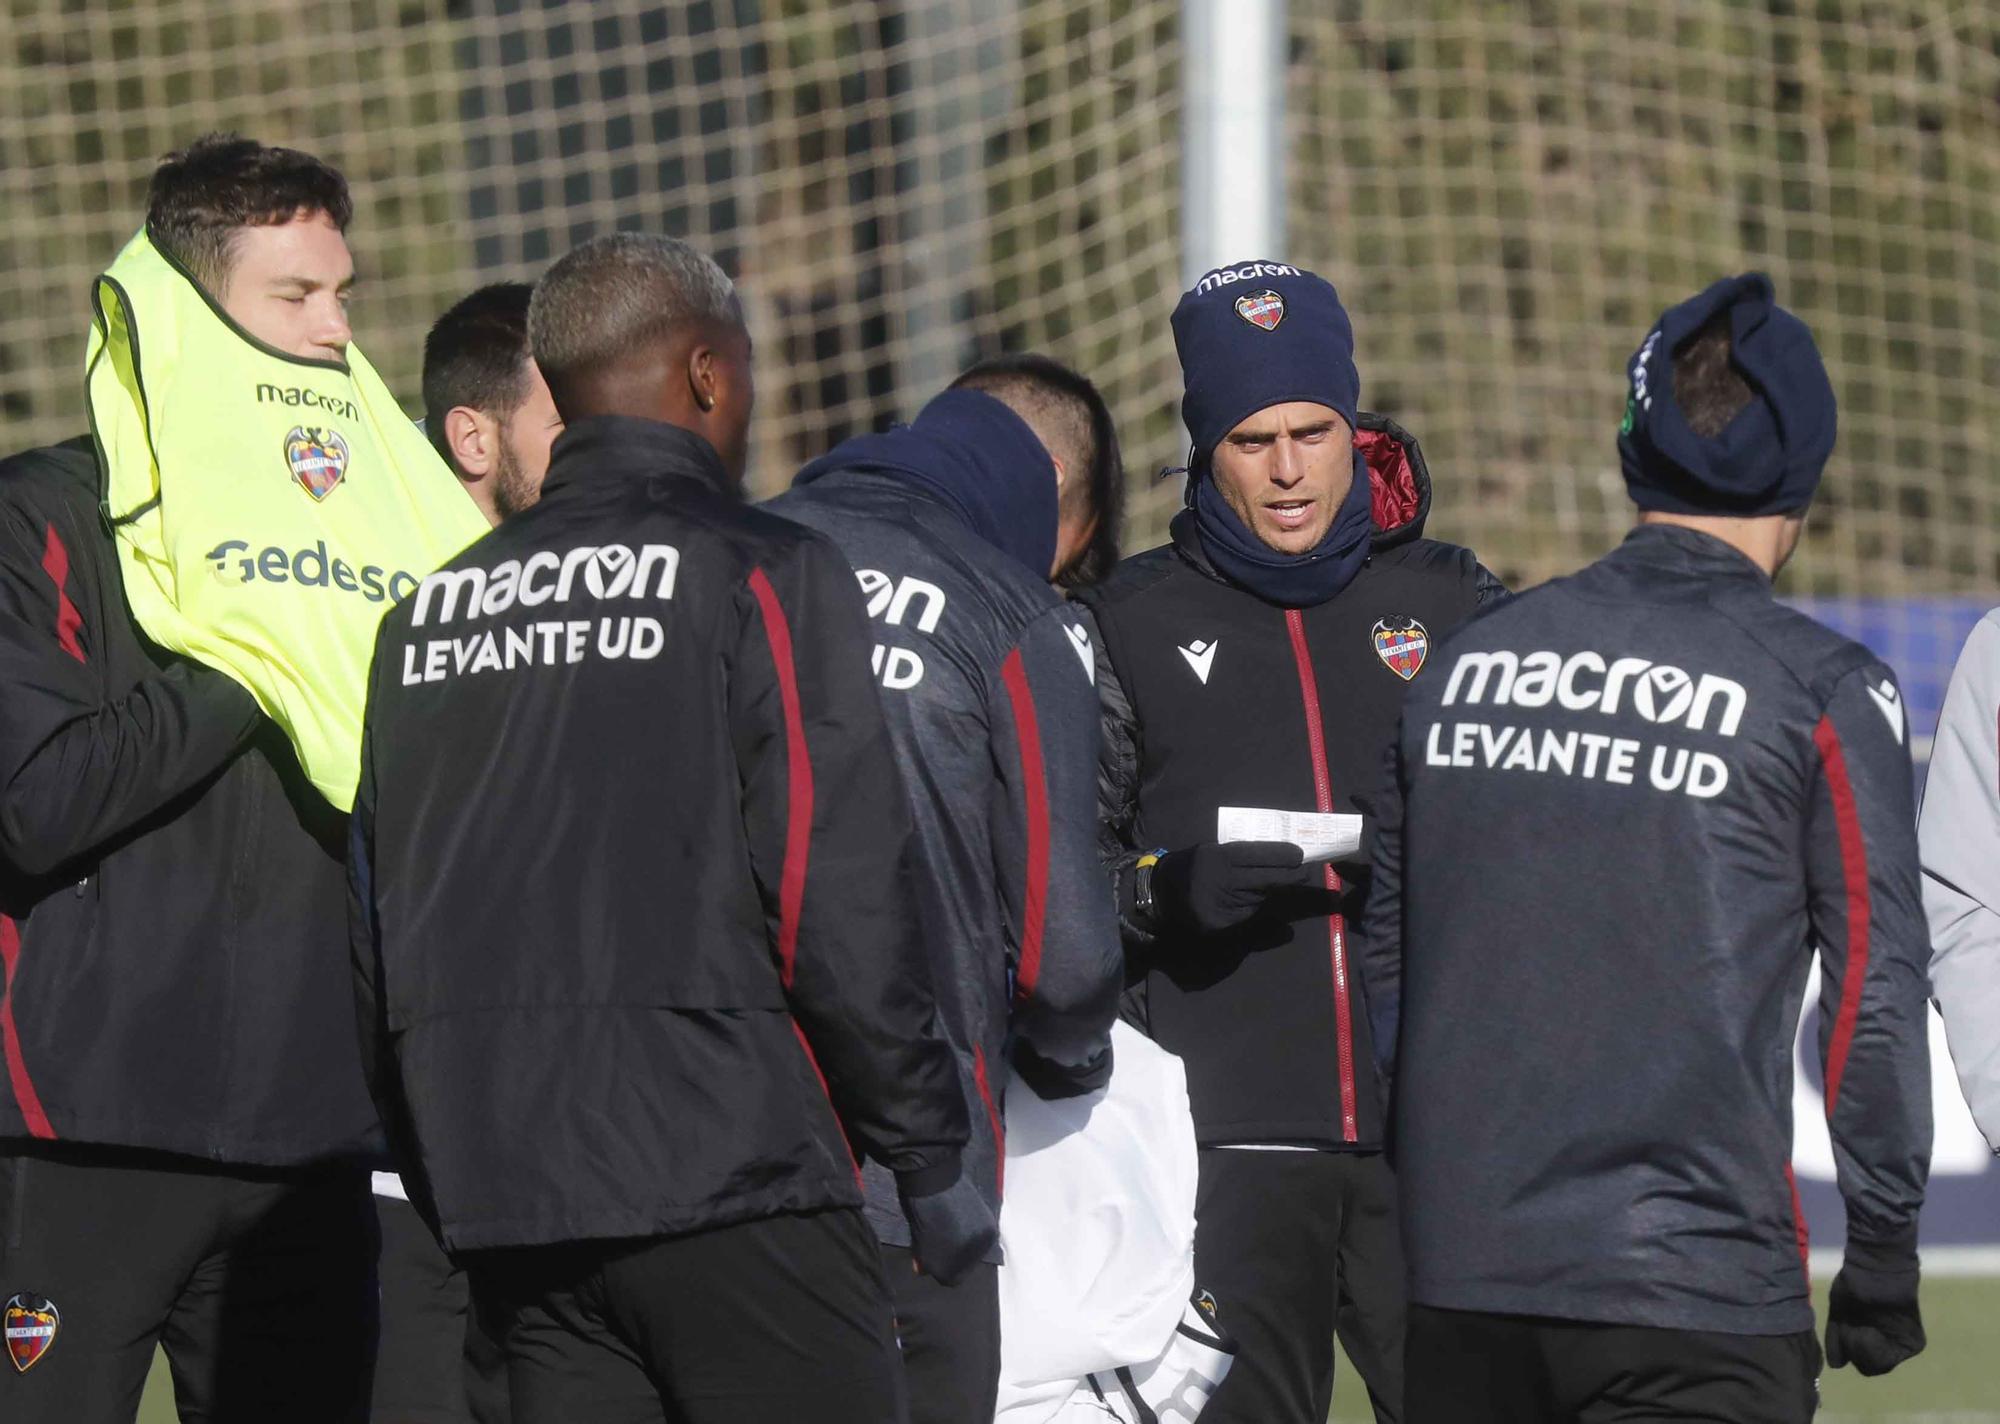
x=976 y=455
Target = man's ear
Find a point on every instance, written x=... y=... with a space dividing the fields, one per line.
x=703 y=378
x=473 y=437
x=1062 y=475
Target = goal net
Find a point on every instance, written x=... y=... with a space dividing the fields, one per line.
x=1505 y=195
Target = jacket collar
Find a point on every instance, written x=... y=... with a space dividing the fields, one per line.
x=1690 y=552
x=626 y=447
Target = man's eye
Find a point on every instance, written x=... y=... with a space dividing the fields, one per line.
x=293 y=301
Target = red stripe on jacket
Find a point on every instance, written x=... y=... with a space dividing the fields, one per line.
x=798 y=819
x=984 y=1084
x=1799 y=1225
x=820 y=1073
x=798 y=776
x=1336 y=925
x=69 y=622
x=1034 y=776
x=1854 y=871
x=25 y=1096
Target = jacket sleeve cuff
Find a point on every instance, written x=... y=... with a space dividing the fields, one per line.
x=1882 y=1255
x=1052 y=1081
x=1131 y=925
x=929 y=1180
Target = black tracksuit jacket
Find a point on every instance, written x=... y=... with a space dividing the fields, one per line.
x=1212 y=697
x=986 y=677
x=637 y=912
x=172 y=917
x=1632 y=801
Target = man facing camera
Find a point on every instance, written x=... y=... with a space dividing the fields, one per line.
x=1258 y=660
x=184 y=1118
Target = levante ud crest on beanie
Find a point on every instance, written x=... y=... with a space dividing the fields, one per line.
x=30 y=1322
x=1262 y=309
x=1402 y=644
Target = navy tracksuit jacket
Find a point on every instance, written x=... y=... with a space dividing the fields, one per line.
x=1633 y=802
x=986 y=679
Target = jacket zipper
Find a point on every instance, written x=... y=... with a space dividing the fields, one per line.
x=1336 y=925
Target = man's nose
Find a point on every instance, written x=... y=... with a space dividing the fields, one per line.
x=332 y=329
x=1288 y=465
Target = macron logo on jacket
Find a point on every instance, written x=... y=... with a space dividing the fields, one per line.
x=1201 y=657
x=1890 y=704
x=1079 y=638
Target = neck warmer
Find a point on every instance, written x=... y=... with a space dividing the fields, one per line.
x=267 y=508
x=1289 y=580
x=976 y=456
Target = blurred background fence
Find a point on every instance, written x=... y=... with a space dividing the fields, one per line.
x=1505 y=194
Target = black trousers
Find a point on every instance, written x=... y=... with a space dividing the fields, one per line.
x=1297 y=1247
x=767 y=1322
x=1466 y=1367
x=259 y=1285
x=434 y=1365
x=950 y=1338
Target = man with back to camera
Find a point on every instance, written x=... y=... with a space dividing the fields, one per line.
x=1630 y=804
x=185 y=1118
x=637 y=912
x=956 y=524
x=488 y=413
x=1258 y=660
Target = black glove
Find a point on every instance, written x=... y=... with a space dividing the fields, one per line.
x=1052 y=1081
x=1872 y=1319
x=1211 y=888
x=951 y=1227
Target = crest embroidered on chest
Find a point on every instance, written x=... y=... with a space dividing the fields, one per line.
x=1402 y=644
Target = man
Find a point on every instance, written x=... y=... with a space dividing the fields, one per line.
x=488 y=412
x=185 y=1117
x=638 y=916
x=955 y=524
x=1258 y=660
x=1631 y=802
x=1956 y=835
x=487 y=409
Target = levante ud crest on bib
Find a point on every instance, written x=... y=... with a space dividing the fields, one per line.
x=1402 y=644
x=30 y=1323
x=317 y=456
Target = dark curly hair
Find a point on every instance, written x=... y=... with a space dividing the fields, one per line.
x=203 y=195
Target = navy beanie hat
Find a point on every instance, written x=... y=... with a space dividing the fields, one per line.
x=1256 y=334
x=1767 y=460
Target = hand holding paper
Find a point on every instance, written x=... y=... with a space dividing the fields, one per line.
x=1319 y=837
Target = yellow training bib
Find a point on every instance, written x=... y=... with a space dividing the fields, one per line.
x=268 y=508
